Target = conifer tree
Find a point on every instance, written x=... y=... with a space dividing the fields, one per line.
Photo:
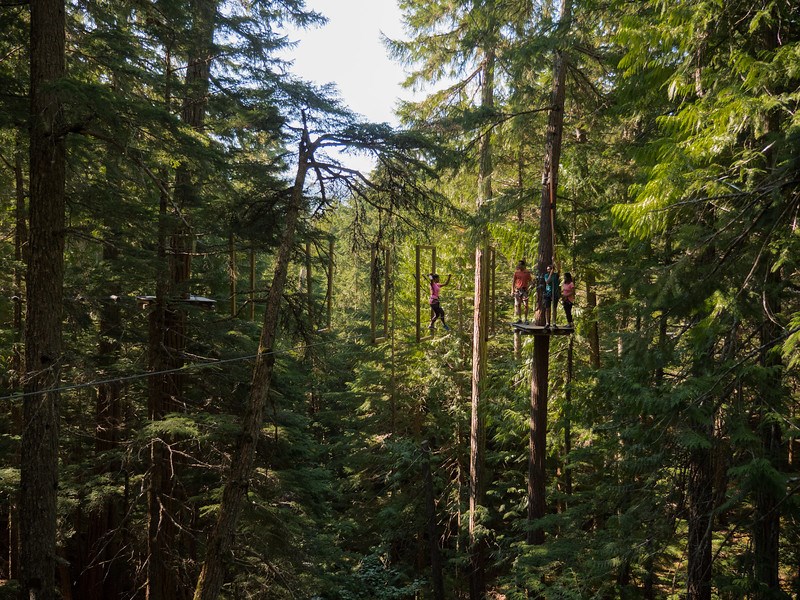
x=713 y=78
x=546 y=256
x=44 y=281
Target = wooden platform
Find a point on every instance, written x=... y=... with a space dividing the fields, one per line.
x=542 y=330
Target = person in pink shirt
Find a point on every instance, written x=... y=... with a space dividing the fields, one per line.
x=568 y=296
x=437 y=312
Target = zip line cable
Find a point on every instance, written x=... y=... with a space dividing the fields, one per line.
x=125 y=378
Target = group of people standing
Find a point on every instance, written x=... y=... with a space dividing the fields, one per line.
x=523 y=283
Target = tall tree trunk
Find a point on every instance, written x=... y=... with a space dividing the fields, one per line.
x=541 y=343
x=100 y=573
x=167 y=516
x=766 y=537
x=568 y=420
x=701 y=416
x=20 y=244
x=701 y=507
x=479 y=336
x=238 y=480
x=766 y=534
x=45 y=282
x=437 y=577
x=591 y=309
x=11 y=551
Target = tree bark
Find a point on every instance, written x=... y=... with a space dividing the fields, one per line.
x=541 y=343
x=167 y=515
x=479 y=336
x=11 y=552
x=99 y=573
x=701 y=505
x=437 y=577
x=766 y=534
x=568 y=419
x=45 y=282
x=237 y=482
x=591 y=309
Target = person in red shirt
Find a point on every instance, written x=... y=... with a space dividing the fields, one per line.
x=519 y=289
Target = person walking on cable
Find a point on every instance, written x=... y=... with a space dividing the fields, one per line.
x=520 y=286
x=437 y=312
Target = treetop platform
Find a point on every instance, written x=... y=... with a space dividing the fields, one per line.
x=529 y=329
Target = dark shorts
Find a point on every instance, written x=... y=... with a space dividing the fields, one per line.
x=521 y=294
x=437 y=309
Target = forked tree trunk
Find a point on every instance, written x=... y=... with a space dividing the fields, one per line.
x=477 y=549
x=541 y=343
x=45 y=282
x=241 y=469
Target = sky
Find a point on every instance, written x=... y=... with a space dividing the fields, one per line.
x=347 y=51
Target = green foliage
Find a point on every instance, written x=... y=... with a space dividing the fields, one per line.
x=677 y=204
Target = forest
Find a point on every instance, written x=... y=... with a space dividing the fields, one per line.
x=220 y=377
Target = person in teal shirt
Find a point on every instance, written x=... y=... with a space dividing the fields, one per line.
x=550 y=287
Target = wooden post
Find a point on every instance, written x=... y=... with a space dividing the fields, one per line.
x=374 y=285
x=568 y=419
x=419 y=285
x=252 y=284
x=232 y=272
x=329 y=293
x=493 y=291
x=309 y=285
x=437 y=577
x=387 y=265
x=417 y=291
